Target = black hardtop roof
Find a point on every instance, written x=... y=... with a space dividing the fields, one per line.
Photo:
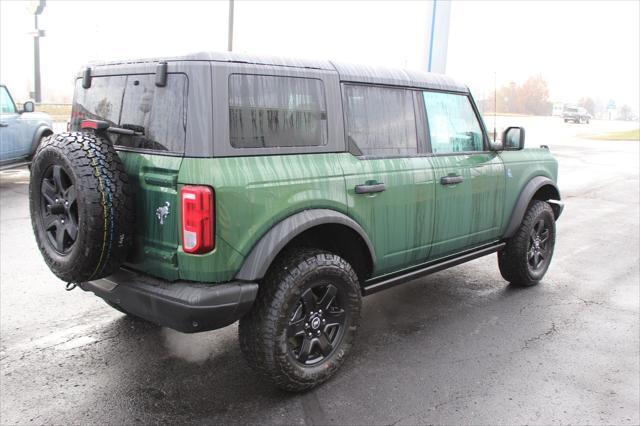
x=347 y=72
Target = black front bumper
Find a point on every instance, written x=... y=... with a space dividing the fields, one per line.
x=182 y=305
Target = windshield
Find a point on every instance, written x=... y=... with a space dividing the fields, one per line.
x=6 y=103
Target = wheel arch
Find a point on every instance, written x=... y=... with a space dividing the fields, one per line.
x=320 y=228
x=41 y=132
x=539 y=188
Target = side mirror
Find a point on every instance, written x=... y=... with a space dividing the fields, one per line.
x=28 y=107
x=513 y=138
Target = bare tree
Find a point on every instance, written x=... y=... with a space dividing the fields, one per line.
x=531 y=97
x=534 y=95
x=625 y=113
x=588 y=104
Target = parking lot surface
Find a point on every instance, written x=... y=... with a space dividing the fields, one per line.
x=459 y=346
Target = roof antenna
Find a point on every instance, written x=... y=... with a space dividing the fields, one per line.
x=495 y=105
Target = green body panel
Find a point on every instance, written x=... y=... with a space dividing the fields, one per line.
x=252 y=194
x=414 y=220
x=471 y=212
x=154 y=181
x=399 y=221
x=520 y=168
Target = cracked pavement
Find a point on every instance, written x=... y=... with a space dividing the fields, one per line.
x=457 y=347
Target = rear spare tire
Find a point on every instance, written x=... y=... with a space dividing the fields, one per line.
x=81 y=206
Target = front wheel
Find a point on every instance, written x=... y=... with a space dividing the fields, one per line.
x=304 y=320
x=527 y=255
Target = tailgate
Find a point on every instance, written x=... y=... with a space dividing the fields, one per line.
x=154 y=182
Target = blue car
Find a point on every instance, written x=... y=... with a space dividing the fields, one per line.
x=20 y=131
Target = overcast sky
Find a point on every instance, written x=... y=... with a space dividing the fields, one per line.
x=582 y=48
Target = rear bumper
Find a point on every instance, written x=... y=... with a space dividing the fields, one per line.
x=183 y=305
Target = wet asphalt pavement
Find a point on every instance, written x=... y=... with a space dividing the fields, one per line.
x=460 y=346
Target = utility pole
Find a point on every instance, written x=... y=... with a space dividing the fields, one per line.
x=230 y=36
x=36 y=53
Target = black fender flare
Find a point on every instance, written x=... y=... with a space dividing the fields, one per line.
x=257 y=263
x=525 y=197
x=40 y=132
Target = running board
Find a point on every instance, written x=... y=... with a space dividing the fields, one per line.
x=380 y=284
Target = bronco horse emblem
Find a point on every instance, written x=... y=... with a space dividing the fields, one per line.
x=162 y=212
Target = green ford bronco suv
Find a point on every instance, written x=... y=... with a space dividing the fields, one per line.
x=200 y=190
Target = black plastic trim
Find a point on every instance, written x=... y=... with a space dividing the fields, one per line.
x=382 y=283
x=525 y=197
x=86 y=78
x=185 y=306
x=37 y=136
x=265 y=251
x=161 y=74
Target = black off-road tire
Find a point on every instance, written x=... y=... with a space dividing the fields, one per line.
x=263 y=331
x=514 y=260
x=97 y=208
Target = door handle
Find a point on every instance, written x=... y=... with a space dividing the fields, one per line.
x=370 y=188
x=3 y=124
x=451 y=179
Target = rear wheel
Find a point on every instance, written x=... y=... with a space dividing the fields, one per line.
x=527 y=255
x=304 y=320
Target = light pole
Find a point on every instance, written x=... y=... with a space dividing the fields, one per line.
x=36 y=53
x=230 y=36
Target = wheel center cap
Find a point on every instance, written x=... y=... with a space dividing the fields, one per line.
x=57 y=208
x=315 y=323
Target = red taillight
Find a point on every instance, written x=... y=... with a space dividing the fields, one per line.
x=198 y=219
x=94 y=124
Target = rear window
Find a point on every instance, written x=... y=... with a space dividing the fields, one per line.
x=134 y=101
x=272 y=111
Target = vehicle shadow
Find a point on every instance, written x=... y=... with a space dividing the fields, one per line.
x=161 y=375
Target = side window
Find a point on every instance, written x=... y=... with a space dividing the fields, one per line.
x=158 y=111
x=6 y=103
x=381 y=121
x=102 y=101
x=453 y=125
x=270 y=111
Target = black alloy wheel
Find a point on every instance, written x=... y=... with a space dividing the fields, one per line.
x=59 y=209
x=538 y=250
x=316 y=325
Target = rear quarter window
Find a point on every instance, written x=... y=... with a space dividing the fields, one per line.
x=134 y=101
x=276 y=111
